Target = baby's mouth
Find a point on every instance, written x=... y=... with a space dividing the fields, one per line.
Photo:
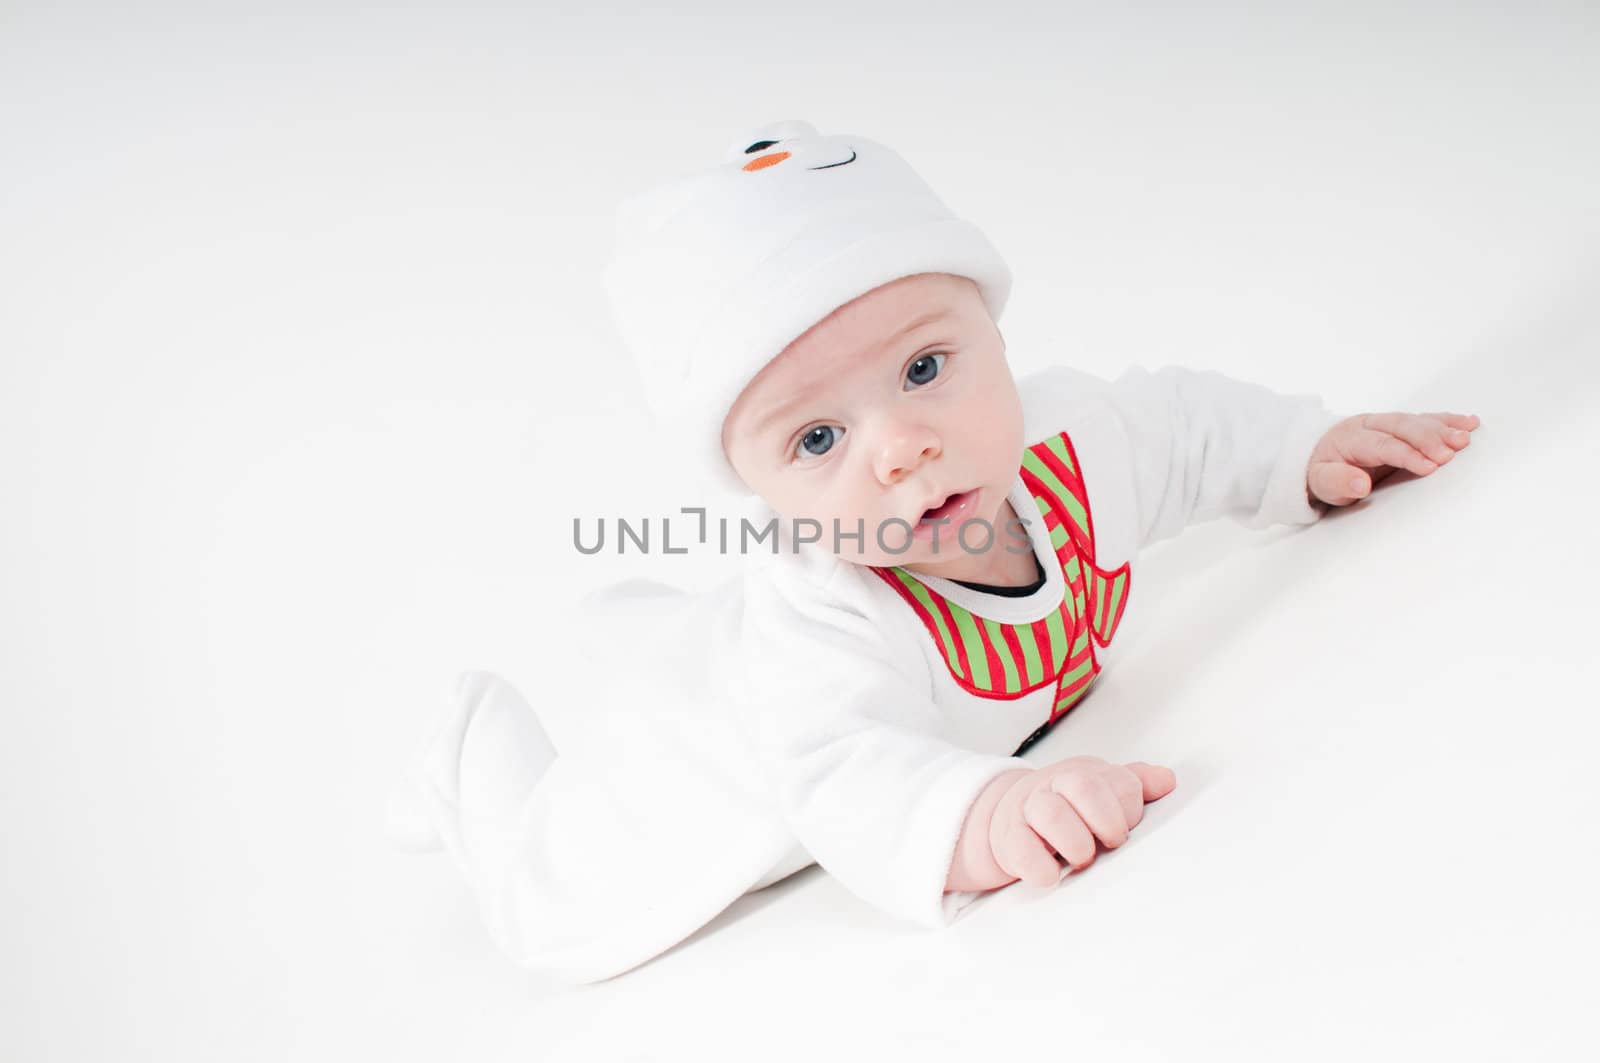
x=953 y=506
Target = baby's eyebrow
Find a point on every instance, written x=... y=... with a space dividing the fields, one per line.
x=926 y=319
x=765 y=421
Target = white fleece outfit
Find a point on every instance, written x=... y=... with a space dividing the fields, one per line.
x=805 y=711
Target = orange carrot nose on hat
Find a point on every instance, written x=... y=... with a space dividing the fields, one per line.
x=716 y=272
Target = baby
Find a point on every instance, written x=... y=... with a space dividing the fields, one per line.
x=947 y=569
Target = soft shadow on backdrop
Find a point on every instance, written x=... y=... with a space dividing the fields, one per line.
x=304 y=371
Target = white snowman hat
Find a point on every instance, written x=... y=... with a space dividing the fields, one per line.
x=715 y=273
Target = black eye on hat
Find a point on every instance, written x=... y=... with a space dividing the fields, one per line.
x=759 y=146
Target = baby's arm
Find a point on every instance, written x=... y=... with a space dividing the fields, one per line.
x=845 y=730
x=1202 y=445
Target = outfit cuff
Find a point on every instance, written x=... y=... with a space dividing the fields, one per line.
x=936 y=832
x=1285 y=500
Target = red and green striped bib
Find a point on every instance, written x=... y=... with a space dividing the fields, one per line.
x=996 y=660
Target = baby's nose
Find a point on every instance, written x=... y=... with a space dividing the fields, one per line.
x=905 y=451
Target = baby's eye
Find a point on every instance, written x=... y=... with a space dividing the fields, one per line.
x=924 y=369
x=818 y=441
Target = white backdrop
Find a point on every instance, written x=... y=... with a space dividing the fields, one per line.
x=304 y=371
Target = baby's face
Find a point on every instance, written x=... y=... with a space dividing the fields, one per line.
x=886 y=409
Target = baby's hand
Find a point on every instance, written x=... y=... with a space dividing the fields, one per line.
x=1360 y=451
x=1068 y=805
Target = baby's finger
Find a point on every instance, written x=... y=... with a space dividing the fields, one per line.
x=1091 y=798
x=1129 y=790
x=1054 y=820
x=1158 y=782
x=1337 y=483
x=1457 y=428
x=1020 y=852
x=1464 y=421
x=1372 y=448
x=1092 y=763
x=1425 y=435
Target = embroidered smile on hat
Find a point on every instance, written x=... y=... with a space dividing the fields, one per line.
x=715 y=273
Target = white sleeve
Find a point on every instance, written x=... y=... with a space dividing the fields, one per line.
x=849 y=738
x=1204 y=446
